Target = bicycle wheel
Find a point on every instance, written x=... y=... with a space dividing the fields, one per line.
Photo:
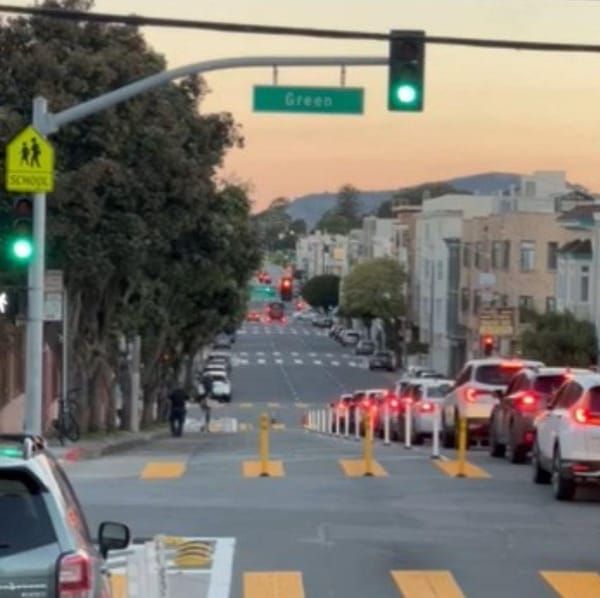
x=70 y=428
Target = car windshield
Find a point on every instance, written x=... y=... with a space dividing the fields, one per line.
x=438 y=391
x=549 y=384
x=26 y=524
x=496 y=374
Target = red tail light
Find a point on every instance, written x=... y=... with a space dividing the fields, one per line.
x=75 y=576
x=472 y=394
x=426 y=407
x=394 y=404
x=528 y=402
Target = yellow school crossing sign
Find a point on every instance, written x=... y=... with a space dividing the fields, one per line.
x=29 y=163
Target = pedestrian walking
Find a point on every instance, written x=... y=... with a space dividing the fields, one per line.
x=178 y=410
x=206 y=410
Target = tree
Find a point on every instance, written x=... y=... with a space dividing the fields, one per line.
x=375 y=289
x=322 y=291
x=345 y=215
x=347 y=202
x=414 y=196
x=148 y=243
x=560 y=339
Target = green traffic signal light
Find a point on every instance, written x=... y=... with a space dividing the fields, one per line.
x=406 y=71
x=22 y=249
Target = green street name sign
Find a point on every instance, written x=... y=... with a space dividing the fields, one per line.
x=311 y=100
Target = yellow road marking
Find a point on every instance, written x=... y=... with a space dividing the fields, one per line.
x=119 y=586
x=450 y=468
x=273 y=405
x=356 y=468
x=274 y=584
x=194 y=555
x=163 y=471
x=573 y=584
x=253 y=469
x=427 y=584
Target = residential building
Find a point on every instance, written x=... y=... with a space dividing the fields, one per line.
x=377 y=237
x=322 y=253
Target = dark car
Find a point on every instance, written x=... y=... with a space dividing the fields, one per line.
x=383 y=360
x=511 y=426
x=46 y=549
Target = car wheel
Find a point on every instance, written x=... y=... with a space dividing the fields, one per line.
x=563 y=488
x=515 y=453
x=496 y=449
x=447 y=437
x=540 y=475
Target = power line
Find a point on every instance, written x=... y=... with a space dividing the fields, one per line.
x=142 y=21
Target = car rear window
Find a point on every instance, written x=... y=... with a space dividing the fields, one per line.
x=496 y=375
x=438 y=392
x=595 y=399
x=549 y=384
x=26 y=524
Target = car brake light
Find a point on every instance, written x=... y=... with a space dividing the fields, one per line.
x=426 y=407
x=393 y=403
x=527 y=402
x=75 y=576
x=580 y=467
x=472 y=394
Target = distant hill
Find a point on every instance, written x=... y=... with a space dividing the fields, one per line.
x=311 y=207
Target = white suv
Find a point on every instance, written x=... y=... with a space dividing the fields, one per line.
x=475 y=393
x=566 y=449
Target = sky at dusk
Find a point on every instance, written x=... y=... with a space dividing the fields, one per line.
x=500 y=110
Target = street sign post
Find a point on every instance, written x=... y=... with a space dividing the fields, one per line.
x=29 y=163
x=311 y=100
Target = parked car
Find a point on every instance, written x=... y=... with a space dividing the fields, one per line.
x=385 y=360
x=474 y=395
x=349 y=338
x=364 y=347
x=566 y=449
x=221 y=385
x=511 y=421
x=222 y=342
x=253 y=316
x=46 y=548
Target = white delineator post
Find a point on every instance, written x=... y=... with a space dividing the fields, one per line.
x=386 y=424
x=408 y=425
x=330 y=420
x=324 y=421
x=347 y=424
x=357 y=418
x=337 y=421
x=435 y=438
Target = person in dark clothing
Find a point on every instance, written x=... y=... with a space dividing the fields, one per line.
x=178 y=399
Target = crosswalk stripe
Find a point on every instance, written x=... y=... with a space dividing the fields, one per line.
x=573 y=584
x=427 y=584
x=279 y=361
x=298 y=361
x=163 y=470
x=261 y=361
x=318 y=362
x=336 y=363
x=274 y=584
x=352 y=364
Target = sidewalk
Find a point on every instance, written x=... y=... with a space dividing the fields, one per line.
x=98 y=446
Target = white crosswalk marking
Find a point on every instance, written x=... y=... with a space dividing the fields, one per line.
x=262 y=361
x=278 y=361
x=295 y=353
x=312 y=354
x=276 y=352
x=352 y=364
x=329 y=354
x=298 y=361
x=336 y=363
x=318 y=362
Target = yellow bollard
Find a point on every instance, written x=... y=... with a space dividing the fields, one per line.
x=462 y=446
x=368 y=444
x=263 y=444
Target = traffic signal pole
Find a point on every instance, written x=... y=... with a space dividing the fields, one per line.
x=47 y=123
x=35 y=309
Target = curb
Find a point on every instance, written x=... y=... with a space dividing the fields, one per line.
x=83 y=453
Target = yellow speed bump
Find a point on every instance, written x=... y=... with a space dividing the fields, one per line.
x=358 y=468
x=193 y=555
x=573 y=584
x=274 y=584
x=453 y=469
x=163 y=471
x=427 y=584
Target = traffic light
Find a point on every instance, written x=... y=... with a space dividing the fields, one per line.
x=406 y=71
x=285 y=289
x=20 y=240
x=488 y=345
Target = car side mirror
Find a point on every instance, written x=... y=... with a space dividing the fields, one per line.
x=113 y=536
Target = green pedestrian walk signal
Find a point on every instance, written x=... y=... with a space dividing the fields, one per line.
x=20 y=241
x=406 y=71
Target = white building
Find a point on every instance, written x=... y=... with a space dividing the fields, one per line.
x=321 y=253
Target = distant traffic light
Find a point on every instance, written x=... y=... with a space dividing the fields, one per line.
x=406 y=71
x=488 y=345
x=20 y=241
x=285 y=289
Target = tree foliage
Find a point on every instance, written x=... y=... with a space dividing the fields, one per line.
x=560 y=339
x=276 y=229
x=414 y=196
x=149 y=243
x=322 y=291
x=374 y=289
x=345 y=215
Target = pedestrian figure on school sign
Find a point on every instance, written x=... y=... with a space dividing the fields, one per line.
x=36 y=152
x=24 y=154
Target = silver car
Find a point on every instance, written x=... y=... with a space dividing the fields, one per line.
x=46 y=549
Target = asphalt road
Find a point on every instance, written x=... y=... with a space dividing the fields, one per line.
x=490 y=537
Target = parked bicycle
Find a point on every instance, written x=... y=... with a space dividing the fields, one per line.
x=67 y=424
